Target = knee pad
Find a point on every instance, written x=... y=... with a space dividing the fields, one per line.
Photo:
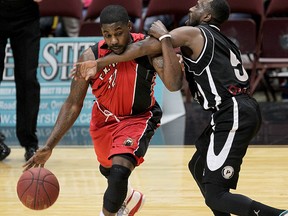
x=104 y=171
x=116 y=191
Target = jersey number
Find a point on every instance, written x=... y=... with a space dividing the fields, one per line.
x=112 y=79
x=240 y=73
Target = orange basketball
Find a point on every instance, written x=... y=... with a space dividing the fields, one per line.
x=38 y=188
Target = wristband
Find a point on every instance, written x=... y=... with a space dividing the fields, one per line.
x=164 y=36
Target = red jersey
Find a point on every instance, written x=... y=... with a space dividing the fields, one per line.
x=125 y=88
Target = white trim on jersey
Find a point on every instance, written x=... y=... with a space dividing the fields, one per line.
x=135 y=82
x=202 y=52
x=205 y=101
x=213 y=87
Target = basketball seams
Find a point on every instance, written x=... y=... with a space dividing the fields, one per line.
x=31 y=183
x=48 y=196
x=41 y=185
x=51 y=184
x=56 y=186
x=37 y=189
x=54 y=179
x=28 y=187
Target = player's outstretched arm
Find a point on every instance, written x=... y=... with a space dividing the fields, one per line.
x=150 y=46
x=68 y=114
x=88 y=69
x=146 y=47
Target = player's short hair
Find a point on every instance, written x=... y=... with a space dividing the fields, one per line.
x=220 y=10
x=112 y=14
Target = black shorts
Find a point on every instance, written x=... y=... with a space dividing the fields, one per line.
x=225 y=141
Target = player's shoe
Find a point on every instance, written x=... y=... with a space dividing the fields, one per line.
x=285 y=213
x=132 y=205
x=29 y=152
x=4 y=149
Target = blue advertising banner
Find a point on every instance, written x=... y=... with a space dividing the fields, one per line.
x=56 y=58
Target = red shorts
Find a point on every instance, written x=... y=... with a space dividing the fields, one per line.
x=122 y=135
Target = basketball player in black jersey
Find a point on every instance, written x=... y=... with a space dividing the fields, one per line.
x=220 y=84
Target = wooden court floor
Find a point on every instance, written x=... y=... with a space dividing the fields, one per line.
x=164 y=179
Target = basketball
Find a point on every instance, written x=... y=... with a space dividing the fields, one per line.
x=38 y=188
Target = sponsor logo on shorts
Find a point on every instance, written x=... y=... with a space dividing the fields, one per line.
x=227 y=172
x=128 y=142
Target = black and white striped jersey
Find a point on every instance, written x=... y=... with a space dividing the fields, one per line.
x=218 y=67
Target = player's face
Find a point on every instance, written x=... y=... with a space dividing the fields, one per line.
x=117 y=36
x=198 y=12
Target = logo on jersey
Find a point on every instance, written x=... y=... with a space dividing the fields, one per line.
x=128 y=142
x=227 y=172
x=106 y=70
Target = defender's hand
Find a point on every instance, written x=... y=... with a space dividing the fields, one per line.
x=86 y=70
x=157 y=29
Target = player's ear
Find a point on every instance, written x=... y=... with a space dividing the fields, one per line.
x=207 y=17
x=130 y=25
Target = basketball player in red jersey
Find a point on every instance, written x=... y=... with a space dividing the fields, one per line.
x=124 y=116
x=220 y=84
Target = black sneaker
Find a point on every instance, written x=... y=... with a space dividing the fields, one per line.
x=4 y=149
x=30 y=151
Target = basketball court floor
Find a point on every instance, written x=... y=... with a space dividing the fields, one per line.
x=163 y=178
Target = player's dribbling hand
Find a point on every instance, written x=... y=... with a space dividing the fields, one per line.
x=39 y=158
x=86 y=70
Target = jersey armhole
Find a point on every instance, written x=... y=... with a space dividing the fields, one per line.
x=94 y=49
x=144 y=62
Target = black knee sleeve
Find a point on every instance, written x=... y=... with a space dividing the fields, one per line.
x=104 y=171
x=116 y=192
x=214 y=196
x=196 y=167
